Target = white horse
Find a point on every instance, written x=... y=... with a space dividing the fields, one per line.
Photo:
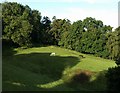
x=52 y=54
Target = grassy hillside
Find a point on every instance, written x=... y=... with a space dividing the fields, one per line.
x=34 y=69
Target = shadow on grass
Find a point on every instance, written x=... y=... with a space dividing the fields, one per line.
x=7 y=49
x=25 y=71
x=45 y=64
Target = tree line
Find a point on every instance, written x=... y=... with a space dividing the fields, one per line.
x=25 y=27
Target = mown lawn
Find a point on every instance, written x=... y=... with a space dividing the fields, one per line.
x=34 y=69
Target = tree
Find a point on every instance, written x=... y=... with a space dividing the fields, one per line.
x=21 y=25
x=72 y=40
x=35 y=17
x=113 y=45
x=58 y=27
x=46 y=37
x=16 y=26
x=65 y=32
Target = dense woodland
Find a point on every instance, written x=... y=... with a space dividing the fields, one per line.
x=24 y=27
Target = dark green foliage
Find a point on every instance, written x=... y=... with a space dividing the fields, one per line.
x=20 y=24
x=16 y=26
x=94 y=39
x=74 y=35
x=46 y=37
x=113 y=79
x=113 y=45
x=37 y=28
x=88 y=36
x=59 y=30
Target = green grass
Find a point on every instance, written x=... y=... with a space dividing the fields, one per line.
x=34 y=69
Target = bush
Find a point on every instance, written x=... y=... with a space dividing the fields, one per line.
x=113 y=79
x=118 y=61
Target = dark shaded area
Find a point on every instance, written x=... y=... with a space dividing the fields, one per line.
x=44 y=63
x=81 y=56
x=113 y=79
x=45 y=69
x=82 y=77
x=8 y=48
x=118 y=61
x=99 y=84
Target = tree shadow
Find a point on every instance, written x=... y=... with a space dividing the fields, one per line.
x=43 y=63
x=35 y=68
x=7 y=48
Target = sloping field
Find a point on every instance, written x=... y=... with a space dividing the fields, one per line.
x=34 y=69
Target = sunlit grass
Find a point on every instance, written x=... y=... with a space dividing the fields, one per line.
x=51 y=84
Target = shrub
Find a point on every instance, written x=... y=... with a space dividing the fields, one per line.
x=113 y=79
